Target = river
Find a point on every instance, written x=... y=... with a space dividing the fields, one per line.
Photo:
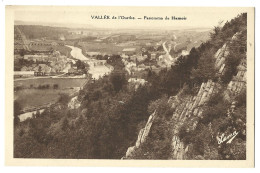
x=95 y=70
x=77 y=53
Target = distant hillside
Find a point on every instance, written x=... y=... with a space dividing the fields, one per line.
x=62 y=25
x=38 y=31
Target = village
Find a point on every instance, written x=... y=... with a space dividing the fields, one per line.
x=50 y=63
x=65 y=62
x=44 y=60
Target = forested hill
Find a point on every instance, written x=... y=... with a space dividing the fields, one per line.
x=206 y=118
x=112 y=113
x=38 y=31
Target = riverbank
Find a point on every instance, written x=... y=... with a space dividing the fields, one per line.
x=35 y=93
x=96 y=68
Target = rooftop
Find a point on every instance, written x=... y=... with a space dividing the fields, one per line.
x=129 y=49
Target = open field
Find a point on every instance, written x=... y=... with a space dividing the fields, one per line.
x=38 y=97
x=108 y=48
x=30 y=96
x=64 y=50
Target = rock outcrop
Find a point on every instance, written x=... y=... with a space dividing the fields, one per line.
x=193 y=108
x=190 y=108
x=238 y=82
x=141 y=136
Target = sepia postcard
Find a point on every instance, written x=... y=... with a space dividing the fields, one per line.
x=129 y=86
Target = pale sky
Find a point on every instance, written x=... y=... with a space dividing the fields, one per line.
x=81 y=16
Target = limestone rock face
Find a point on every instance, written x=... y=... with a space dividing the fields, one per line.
x=129 y=152
x=178 y=148
x=220 y=56
x=238 y=82
x=190 y=108
x=142 y=136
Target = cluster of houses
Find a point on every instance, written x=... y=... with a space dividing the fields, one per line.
x=165 y=61
x=132 y=68
x=38 y=69
x=47 y=65
x=135 y=62
x=45 y=70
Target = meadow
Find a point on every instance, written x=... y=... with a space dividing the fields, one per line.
x=29 y=94
x=38 y=97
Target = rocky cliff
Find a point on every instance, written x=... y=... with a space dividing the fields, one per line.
x=141 y=136
x=190 y=108
x=193 y=108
